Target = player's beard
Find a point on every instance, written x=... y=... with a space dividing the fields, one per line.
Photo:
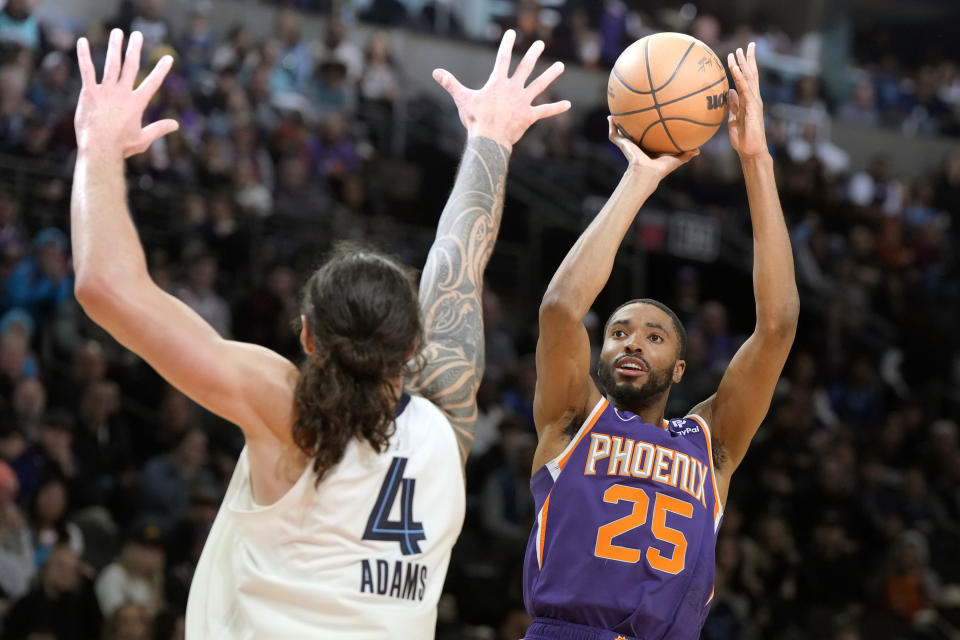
x=626 y=396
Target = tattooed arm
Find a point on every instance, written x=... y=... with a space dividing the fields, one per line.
x=495 y=116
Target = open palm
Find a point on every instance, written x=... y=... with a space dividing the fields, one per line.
x=503 y=108
x=109 y=115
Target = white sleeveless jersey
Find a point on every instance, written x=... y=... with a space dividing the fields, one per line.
x=362 y=556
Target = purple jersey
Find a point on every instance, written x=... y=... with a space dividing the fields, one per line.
x=627 y=520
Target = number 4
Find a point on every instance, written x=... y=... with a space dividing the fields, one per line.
x=406 y=531
x=638 y=517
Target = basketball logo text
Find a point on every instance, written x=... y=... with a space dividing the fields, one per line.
x=717 y=101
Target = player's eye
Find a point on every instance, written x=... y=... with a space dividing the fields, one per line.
x=656 y=337
x=619 y=333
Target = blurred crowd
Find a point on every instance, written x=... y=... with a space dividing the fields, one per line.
x=842 y=523
x=877 y=86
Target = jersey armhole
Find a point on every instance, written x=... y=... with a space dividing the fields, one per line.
x=718 y=507
x=556 y=465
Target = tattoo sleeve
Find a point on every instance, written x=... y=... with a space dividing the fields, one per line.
x=452 y=284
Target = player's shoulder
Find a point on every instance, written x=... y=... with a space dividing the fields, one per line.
x=689 y=425
x=422 y=420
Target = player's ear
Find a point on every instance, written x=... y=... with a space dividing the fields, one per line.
x=678 y=368
x=306 y=338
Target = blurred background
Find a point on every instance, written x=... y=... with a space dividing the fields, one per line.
x=308 y=121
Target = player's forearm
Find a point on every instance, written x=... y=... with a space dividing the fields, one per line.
x=452 y=280
x=587 y=267
x=774 y=282
x=106 y=248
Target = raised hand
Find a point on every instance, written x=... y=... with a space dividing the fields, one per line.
x=502 y=109
x=660 y=166
x=109 y=117
x=745 y=120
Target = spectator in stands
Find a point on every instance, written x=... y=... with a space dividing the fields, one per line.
x=336 y=46
x=235 y=51
x=53 y=94
x=16 y=548
x=102 y=442
x=47 y=512
x=830 y=574
x=129 y=622
x=500 y=350
x=12 y=235
x=41 y=282
x=168 y=479
x=29 y=403
x=198 y=293
x=149 y=21
x=136 y=576
x=61 y=604
x=294 y=61
x=197 y=43
x=380 y=90
x=811 y=144
x=910 y=585
x=88 y=366
x=718 y=343
x=18 y=27
x=861 y=108
x=50 y=455
x=874 y=192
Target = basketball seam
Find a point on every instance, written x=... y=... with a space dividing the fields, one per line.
x=653 y=94
x=706 y=124
x=628 y=87
x=673 y=75
x=653 y=124
x=668 y=102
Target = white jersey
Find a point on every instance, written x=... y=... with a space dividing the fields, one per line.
x=362 y=556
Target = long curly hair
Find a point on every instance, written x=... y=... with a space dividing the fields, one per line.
x=363 y=313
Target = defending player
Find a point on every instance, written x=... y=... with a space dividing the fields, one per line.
x=629 y=503
x=330 y=527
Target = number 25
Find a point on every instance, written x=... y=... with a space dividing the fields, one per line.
x=638 y=517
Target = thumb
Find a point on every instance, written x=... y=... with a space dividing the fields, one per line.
x=687 y=156
x=153 y=132
x=446 y=80
x=672 y=163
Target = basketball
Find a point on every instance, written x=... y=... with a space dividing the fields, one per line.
x=668 y=93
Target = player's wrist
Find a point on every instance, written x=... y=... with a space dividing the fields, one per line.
x=497 y=136
x=100 y=149
x=758 y=160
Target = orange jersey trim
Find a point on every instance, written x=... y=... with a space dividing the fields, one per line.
x=713 y=476
x=596 y=416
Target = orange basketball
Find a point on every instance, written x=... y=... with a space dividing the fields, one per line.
x=668 y=93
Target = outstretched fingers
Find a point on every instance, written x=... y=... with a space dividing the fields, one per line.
x=528 y=61
x=545 y=79
x=550 y=109
x=153 y=81
x=111 y=67
x=87 y=72
x=739 y=80
x=450 y=84
x=131 y=62
x=733 y=105
x=502 y=65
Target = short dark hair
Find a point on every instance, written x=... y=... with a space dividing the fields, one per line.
x=677 y=325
